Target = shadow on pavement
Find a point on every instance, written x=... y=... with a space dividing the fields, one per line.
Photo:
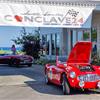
x=36 y=73
x=41 y=87
x=56 y=90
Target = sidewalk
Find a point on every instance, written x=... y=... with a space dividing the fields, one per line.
x=14 y=80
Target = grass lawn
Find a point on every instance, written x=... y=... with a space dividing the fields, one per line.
x=9 y=52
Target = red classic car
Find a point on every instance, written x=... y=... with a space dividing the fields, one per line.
x=16 y=59
x=76 y=72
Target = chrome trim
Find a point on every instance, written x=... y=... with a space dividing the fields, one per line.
x=89 y=78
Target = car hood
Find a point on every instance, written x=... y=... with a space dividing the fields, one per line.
x=80 y=53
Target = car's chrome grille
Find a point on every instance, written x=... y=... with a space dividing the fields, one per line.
x=89 y=77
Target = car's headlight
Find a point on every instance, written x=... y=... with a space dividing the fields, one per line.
x=65 y=65
x=72 y=74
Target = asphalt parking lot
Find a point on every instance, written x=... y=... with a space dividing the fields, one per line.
x=27 y=83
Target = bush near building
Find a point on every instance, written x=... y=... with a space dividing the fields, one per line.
x=44 y=61
x=30 y=43
x=95 y=59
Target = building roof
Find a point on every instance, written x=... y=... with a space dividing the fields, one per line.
x=55 y=2
x=49 y=0
x=63 y=0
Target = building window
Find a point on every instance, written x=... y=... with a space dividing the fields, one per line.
x=94 y=35
x=57 y=39
x=94 y=40
x=43 y=44
x=53 y=40
x=86 y=35
x=53 y=43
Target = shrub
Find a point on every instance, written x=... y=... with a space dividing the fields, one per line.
x=95 y=59
x=44 y=61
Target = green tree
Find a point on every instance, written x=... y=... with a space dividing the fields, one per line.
x=30 y=42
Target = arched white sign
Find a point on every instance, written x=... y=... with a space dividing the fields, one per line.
x=45 y=15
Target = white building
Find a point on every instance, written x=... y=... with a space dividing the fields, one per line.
x=65 y=37
x=62 y=22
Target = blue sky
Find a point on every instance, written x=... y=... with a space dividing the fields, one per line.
x=10 y=32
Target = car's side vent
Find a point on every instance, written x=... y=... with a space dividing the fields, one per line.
x=86 y=68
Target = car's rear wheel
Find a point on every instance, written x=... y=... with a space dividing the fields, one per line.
x=11 y=62
x=14 y=62
x=46 y=79
x=65 y=85
x=29 y=65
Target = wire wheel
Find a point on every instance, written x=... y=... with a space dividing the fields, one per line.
x=66 y=86
x=46 y=79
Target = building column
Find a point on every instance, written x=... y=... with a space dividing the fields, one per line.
x=61 y=43
x=90 y=35
x=74 y=37
x=80 y=35
x=50 y=46
x=64 y=41
x=98 y=40
x=69 y=41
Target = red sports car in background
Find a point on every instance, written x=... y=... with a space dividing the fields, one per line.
x=16 y=59
x=76 y=72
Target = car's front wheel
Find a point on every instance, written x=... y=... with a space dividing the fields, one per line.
x=65 y=85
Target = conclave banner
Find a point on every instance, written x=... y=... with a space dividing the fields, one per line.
x=45 y=15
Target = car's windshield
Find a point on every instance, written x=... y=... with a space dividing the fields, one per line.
x=62 y=58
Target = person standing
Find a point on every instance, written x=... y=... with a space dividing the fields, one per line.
x=13 y=49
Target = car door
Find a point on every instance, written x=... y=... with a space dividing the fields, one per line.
x=54 y=74
x=4 y=60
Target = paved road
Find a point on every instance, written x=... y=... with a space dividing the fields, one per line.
x=28 y=84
